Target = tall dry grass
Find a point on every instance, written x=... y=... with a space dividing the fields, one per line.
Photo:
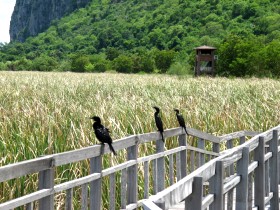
x=45 y=113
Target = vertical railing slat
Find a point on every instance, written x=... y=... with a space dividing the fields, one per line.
x=84 y=197
x=201 y=145
x=242 y=187
x=160 y=166
x=69 y=199
x=250 y=190
x=132 y=175
x=95 y=186
x=112 y=204
x=274 y=171
x=46 y=181
x=216 y=186
x=242 y=140
x=183 y=155
x=146 y=179
x=216 y=147
x=230 y=172
x=154 y=166
x=192 y=161
x=29 y=206
x=178 y=166
x=123 y=188
x=259 y=184
x=171 y=170
x=194 y=200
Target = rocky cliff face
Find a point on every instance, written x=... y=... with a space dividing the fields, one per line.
x=31 y=17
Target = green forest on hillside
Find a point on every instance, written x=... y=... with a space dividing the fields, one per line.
x=133 y=36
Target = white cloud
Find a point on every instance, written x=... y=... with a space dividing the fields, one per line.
x=6 y=10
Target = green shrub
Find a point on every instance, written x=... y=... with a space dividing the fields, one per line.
x=100 y=67
x=79 y=63
x=44 y=63
x=123 y=64
x=164 y=59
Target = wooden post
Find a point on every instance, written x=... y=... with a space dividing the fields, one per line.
x=154 y=167
x=216 y=147
x=260 y=175
x=242 y=140
x=160 y=166
x=69 y=199
x=178 y=166
x=230 y=172
x=171 y=170
x=112 y=196
x=242 y=187
x=46 y=181
x=216 y=187
x=123 y=188
x=95 y=186
x=274 y=171
x=192 y=161
x=201 y=145
x=194 y=200
x=29 y=206
x=84 y=197
x=146 y=179
x=132 y=175
x=183 y=155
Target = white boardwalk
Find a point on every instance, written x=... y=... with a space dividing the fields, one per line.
x=181 y=206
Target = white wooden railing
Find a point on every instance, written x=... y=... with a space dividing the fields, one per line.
x=169 y=170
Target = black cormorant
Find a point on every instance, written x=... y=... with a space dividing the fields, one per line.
x=102 y=133
x=181 y=120
x=158 y=122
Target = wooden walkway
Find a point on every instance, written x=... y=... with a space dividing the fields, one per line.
x=201 y=176
x=244 y=177
x=181 y=205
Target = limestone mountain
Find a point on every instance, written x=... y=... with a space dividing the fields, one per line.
x=31 y=17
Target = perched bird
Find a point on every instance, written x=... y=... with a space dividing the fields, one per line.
x=158 y=122
x=102 y=133
x=181 y=120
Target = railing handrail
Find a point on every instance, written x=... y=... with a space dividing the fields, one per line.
x=22 y=168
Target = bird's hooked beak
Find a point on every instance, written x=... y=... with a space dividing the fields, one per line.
x=176 y=110
x=96 y=119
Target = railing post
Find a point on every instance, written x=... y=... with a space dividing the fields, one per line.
x=201 y=145
x=242 y=140
x=160 y=166
x=194 y=200
x=69 y=199
x=259 y=184
x=183 y=155
x=132 y=175
x=242 y=187
x=46 y=181
x=95 y=186
x=216 y=147
x=274 y=170
x=216 y=187
x=230 y=172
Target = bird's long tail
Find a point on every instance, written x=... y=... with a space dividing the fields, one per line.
x=112 y=149
x=186 y=130
x=162 y=136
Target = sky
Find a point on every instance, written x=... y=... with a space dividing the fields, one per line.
x=6 y=10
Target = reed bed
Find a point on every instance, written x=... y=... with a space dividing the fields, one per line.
x=46 y=113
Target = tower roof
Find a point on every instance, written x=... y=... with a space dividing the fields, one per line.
x=204 y=47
